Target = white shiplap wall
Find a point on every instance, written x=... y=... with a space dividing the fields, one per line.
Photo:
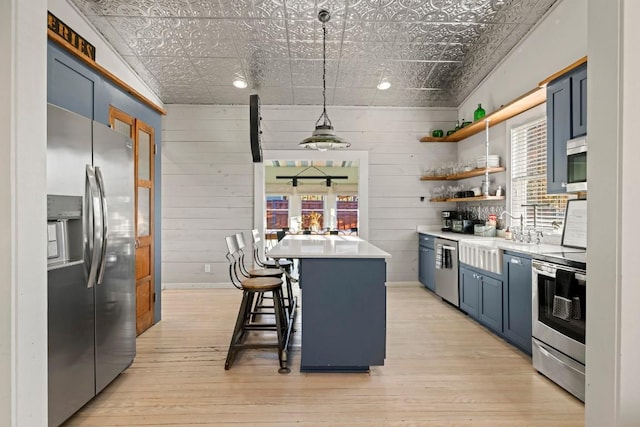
x=207 y=178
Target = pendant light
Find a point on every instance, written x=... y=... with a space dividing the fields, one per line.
x=324 y=137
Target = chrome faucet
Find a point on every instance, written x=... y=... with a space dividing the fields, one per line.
x=520 y=234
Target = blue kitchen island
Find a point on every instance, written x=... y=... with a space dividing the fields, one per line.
x=343 y=288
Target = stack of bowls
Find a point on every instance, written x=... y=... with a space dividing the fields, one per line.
x=493 y=161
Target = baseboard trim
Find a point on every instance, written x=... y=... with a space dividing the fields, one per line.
x=222 y=285
x=226 y=285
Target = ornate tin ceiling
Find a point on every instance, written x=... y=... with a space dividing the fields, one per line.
x=434 y=52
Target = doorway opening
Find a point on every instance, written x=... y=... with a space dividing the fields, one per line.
x=336 y=211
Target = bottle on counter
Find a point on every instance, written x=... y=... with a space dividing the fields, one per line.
x=507 y=234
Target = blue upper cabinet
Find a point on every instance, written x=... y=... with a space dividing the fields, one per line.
x=566 y=119
x=579 y=102
x=73 y=85
x=558 y=132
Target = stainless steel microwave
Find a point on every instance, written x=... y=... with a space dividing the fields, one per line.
x=577 y=165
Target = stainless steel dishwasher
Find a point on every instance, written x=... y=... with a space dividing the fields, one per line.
x=447 y=270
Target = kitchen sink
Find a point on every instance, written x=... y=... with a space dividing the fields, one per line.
x=482 y=254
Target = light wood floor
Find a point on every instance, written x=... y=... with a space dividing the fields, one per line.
x=442 y=369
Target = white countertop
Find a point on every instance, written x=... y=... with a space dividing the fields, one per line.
x=497 y=242
x=331 y=246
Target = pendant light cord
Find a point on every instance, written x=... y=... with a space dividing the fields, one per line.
x=327 y=121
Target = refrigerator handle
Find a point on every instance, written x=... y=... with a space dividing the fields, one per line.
x=94 y=231
x=105 y=229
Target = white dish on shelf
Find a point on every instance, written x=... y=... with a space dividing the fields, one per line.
x=492 y=162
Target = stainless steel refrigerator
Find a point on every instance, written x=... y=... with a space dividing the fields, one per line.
x=91 y=283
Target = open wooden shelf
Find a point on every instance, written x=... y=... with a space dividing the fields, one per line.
x=462 y=175
x=527 y=101
x=467 y=199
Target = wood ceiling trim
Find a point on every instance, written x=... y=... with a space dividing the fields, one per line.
x=565 y=70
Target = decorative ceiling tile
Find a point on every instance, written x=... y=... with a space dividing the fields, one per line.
x=189 y=51
x=218 y=71
x=355 y=96
x=172 y=8
x=204 y=8
x=422 y=32
x=164 y=47
x=179 y=90
x=367 y=51
x=361 y=10
x=275 y=49
x=271 y=72
x=357 y=31
x=203 y=29
x=170 y=70
x=144 y=73
x=197 y=48
x=360 y=74
x=116 y=7
x=302 y=49
x=417 y=51
x=522 y=12
x=463 y=33
x=275 y=95
x=229 y=95
x=309 y=30
x=336 y=7
x=131 y=28
x=303 y=10
x=263 y=9
x=309 y=73
x=311 y=96
x=105 y=28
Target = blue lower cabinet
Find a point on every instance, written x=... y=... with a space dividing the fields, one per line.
x=481 y=297
x=427 y=262
x=490 y=307
x=517 y=301
x=469 y=290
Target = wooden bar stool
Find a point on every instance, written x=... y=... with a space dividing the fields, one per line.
x=245 y=322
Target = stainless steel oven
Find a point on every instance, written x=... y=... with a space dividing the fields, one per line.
x=559 y=324
x=577 y=164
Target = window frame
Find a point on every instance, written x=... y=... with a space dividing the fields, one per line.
x=523 y=119
x=356 y=211
x=287 y=197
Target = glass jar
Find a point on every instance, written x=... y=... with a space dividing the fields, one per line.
x=479 y=113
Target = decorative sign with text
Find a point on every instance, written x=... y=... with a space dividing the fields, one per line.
x=74 y=40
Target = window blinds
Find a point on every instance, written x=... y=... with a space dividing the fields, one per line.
x=529 y=178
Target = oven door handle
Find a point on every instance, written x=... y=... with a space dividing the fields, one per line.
x=580 y=278
x=543 y=272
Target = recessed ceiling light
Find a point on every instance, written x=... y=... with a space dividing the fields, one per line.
x=240 y=83
x=384 y=84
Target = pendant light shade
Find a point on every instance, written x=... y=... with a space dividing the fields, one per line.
x=324 y=137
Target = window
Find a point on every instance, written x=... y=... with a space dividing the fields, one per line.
x=277 y=212
x=529 y=179
x=347 y=212
x=312 y=208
